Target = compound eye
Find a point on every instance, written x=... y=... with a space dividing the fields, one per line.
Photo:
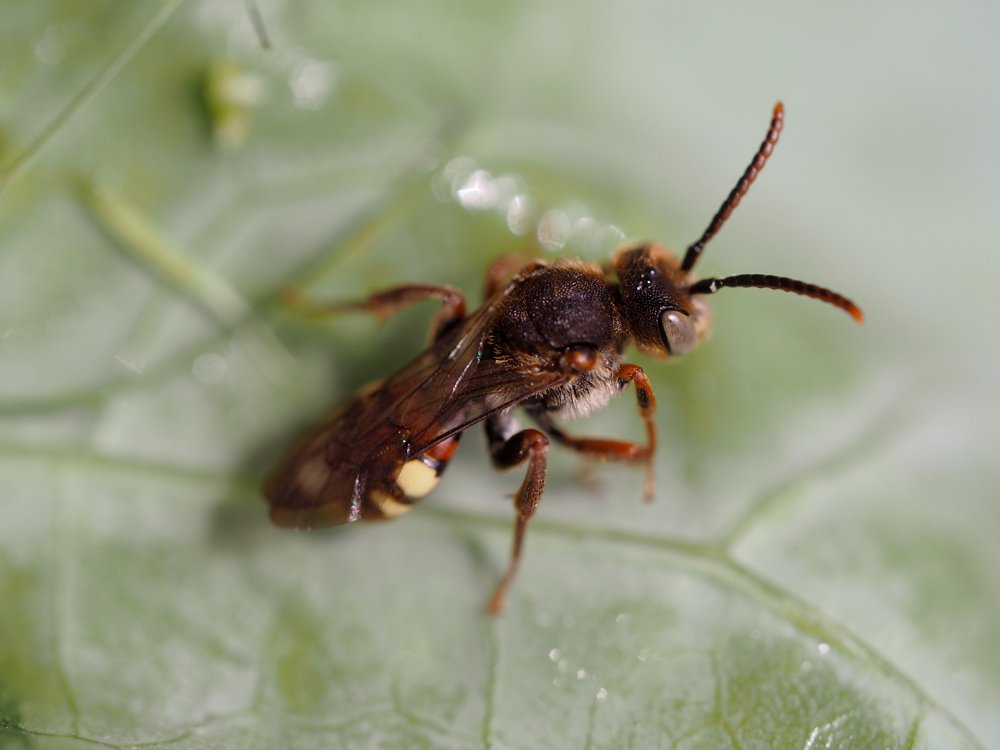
x=678 y=332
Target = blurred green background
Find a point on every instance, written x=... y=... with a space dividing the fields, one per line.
x=819 y=568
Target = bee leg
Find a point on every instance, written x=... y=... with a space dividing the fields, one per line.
x=505 y=268
x=615 y=450
x=500 y=270
x=530 y=445
x=385 y=304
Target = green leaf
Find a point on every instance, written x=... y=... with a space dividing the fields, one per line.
x=819 y=566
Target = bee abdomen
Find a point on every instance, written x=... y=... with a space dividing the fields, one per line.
x=418 y=477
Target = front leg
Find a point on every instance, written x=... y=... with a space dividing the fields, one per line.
x=615 y=450
x=508 y=452
x=386 y=303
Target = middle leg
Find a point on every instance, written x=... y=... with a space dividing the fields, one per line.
x=508 y=452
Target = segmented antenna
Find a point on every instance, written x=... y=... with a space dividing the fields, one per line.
x=737 y=193
x=764 y=281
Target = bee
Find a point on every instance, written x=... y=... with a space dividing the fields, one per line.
x=550 y=342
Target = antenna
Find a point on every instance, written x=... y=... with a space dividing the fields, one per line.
x=737 y=193
x=764 y=281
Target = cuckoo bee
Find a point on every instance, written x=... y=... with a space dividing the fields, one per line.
x=549 y=341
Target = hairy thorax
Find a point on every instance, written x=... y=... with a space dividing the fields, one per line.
x=558 y=308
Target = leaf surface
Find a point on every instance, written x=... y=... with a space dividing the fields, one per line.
x=818 y=569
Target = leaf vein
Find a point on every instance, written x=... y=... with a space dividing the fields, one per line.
x=13 y=168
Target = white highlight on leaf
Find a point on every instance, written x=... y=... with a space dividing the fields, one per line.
x=312 y=82
x=209 y=368
x=126 y=361
x=478 y=192
x=554 y=229
x=520 y=214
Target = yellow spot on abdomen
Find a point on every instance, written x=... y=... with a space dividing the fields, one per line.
x=416 y=478
x=390 y=506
